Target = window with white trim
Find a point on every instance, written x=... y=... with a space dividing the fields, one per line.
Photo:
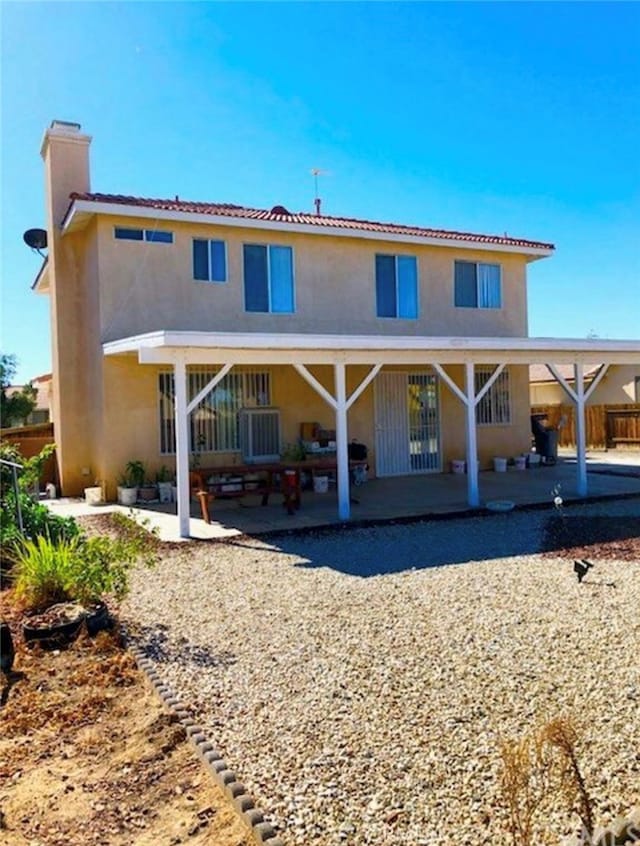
x=268 y=278
x=213 y=424
x=157 y=236
x=396 y=286
x=477 y=285
x=209 y=260
x=494 y=409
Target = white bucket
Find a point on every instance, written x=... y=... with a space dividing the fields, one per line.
x=93 y=496
x=520 y=462
x=457 y=465
x=500 y=465
x=534 y=459
x=320 y=484
x=164 y=491
x=127 y=496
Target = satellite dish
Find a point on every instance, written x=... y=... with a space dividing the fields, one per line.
x=36 y=239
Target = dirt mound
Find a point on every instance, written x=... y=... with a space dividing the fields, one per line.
x=89 y=754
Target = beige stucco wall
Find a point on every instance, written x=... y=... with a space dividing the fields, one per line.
x=616 y=387
x=150 y=286
x=105 y=410
x=131 y=428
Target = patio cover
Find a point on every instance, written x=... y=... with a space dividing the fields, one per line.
x=226 y=349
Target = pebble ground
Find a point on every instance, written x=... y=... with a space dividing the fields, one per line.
x=360 y=682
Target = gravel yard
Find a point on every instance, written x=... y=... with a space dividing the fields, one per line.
x=360 y=682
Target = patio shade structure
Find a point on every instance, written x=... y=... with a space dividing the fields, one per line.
x=179 y=349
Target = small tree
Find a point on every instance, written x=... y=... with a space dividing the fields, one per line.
x=17 y=407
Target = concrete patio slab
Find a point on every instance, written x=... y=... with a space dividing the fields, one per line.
x=401 y=498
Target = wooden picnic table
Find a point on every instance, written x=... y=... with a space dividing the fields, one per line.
x=239 y=480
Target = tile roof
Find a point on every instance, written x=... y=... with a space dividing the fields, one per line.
x=281 y=215
x=540 y=372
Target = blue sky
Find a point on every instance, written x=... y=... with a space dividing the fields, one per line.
x=517 y=117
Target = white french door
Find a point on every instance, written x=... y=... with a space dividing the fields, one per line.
x=407 y=423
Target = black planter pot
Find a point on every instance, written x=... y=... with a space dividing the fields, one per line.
x=58 y=635
x=98 y=619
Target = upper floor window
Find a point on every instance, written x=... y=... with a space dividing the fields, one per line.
x=495 y=406
x=396 y=286
x=477 y=285
x=268 y=278
x=160 y=236
x=209 y=260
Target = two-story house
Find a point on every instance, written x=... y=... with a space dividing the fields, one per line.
x=176 y=325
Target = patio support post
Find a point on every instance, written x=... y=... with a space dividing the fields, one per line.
x=581 y=439
x=473 y=495
x=182 y=445
x=342 y=452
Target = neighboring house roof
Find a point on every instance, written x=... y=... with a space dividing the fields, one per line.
x=278 y=214
x=540 y=372
x=42 y=384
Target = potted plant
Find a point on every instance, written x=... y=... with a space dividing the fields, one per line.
x=129 y=482
x=94 y=495
x=63 y=584
x=147 y=490
x=164 y=482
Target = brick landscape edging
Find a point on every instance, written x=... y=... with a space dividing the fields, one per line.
x=263 y=832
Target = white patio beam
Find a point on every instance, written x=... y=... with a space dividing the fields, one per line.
x=371 y=375
x=342 y=451
x=473 y=493
x=449 y=381
x=581 y=435
x=579 y=397
x=311 y=379
x=208 y=387
x=562 y=381
x=487 y=385
x=182 y=446
x=341 y=405
x=596 y=381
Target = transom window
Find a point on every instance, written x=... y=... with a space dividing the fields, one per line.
x=268 y=278
x=209 y=260
x=477 y=285
x=396 y=286
x=159 y=236
x=495 y=406
x=213 y=424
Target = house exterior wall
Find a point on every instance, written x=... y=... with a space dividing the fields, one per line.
x=617 y=387
x=149 y=286
x=105 y=409
x=132 y=420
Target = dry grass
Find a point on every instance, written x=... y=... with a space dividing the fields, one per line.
x=537 y=768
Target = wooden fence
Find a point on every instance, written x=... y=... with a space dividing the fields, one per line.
x=608 y=426
x=30 y=440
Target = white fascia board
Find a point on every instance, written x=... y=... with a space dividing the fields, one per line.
x=166 y=345
x=84 y=207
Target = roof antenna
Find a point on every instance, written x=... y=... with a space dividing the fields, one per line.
x=316 y=172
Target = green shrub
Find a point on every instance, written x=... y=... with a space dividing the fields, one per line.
x=44 y=570
x=37 y=519
x=80 y=569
